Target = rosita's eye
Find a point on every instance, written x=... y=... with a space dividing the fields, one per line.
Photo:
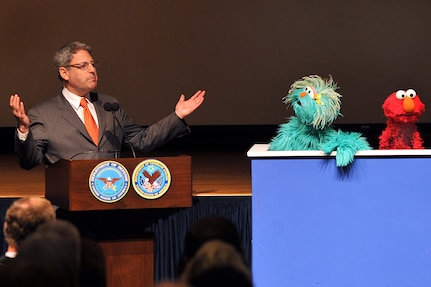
x=310 y=92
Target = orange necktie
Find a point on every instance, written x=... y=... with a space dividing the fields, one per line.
x=90 y=123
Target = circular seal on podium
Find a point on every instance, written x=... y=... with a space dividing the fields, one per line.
x=151 y=179
x=109 y=181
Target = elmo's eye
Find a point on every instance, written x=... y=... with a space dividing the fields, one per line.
x=310 y=92
x=400 y=94
x=411 y=93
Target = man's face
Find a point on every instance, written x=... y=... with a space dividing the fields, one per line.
x=81 y=75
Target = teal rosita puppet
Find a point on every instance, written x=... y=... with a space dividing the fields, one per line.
x=316 y=104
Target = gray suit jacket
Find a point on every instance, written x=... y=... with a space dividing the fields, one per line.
x=56 y=132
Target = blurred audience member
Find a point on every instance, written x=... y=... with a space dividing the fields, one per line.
x=21 y=220
x=93 y=264
x=215 y=264
x=206 y=229
x=49 y=257
x=171 y=284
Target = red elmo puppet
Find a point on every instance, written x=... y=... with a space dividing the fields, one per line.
x=402 y=110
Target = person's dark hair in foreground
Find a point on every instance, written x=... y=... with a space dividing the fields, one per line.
x=93 y=264
x=22 y=219
x=24 y=216
x=50 y=257
x=204 y=230
x=215 y=264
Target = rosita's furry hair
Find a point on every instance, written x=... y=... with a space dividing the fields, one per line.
x=316 y=104
x=330 y=104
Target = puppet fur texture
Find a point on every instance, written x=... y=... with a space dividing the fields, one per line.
x=316 y=104
x=402 y=110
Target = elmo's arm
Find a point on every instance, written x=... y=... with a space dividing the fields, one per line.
x=417 y=142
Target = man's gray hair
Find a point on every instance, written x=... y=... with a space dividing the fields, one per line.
x=63 y=56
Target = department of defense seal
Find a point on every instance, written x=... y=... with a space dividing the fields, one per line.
x=151 y=179
x=109 y=181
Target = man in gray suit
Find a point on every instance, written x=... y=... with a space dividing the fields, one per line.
x=55 y=129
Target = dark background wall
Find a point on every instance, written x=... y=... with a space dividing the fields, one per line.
x=246 y=54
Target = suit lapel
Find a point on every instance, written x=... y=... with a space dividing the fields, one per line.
x=68 y=114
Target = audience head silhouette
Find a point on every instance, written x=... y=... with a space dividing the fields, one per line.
x=224 y=238
x=24 y=216
x=209 y=228
x=93 y=264
x=48 y=257
x=217 y=263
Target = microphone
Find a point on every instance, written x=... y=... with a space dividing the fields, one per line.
x=113 y=107
x=94 y=96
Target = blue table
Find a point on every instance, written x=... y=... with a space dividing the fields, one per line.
x=318 y=225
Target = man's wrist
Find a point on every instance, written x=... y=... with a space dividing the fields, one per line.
x=178 y=115
x=22 y=136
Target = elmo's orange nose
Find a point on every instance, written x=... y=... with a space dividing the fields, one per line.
x=408 y=105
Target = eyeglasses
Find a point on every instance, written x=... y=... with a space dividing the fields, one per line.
x=83 y=66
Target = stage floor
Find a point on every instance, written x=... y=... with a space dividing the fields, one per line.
x=214 y=173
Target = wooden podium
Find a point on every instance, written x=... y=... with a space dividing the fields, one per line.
x=129 y=254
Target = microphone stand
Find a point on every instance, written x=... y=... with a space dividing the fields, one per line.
x=116 y=151
x=113 y=107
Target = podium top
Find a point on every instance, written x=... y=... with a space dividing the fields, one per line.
x=71 y=184
x=261 y=151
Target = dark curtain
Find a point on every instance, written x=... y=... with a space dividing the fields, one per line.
x=168 y=225
x=170 y=230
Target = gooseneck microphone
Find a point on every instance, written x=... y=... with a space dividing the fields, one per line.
x=113 y=107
